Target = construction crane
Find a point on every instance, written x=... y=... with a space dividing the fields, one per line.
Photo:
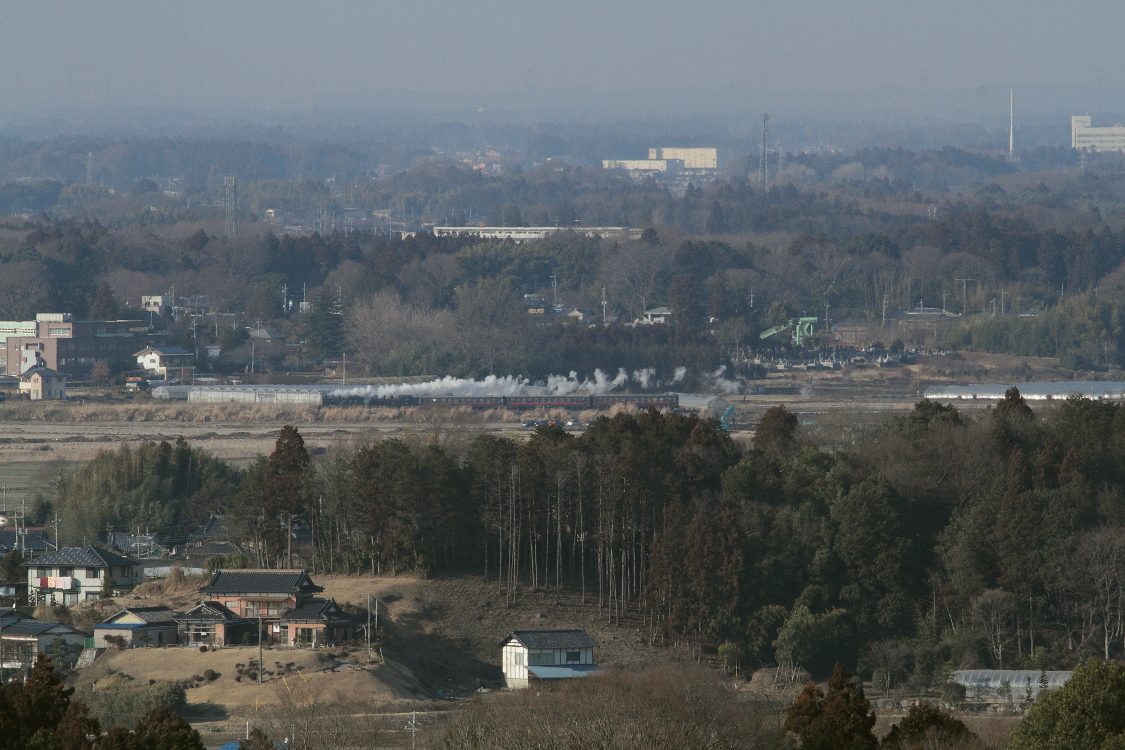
x=802 y=328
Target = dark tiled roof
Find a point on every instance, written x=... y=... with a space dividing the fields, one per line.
x=210 y=611
x=316 y=610
x=214 y=548
x=552 y=638
x=81 y=557
x=148 y=614
x=30 y=539
x=260 y=582
x=212 y=529
x=33 y=627
x=11 y=613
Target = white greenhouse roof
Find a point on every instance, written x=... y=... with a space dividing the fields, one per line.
x=1097 y=390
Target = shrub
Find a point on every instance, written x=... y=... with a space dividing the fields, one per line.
x=211 y=675
x=122 y=704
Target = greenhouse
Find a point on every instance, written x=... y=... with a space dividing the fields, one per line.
x=1007 y=684
x=1092 y=389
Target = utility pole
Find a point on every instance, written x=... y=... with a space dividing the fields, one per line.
x=964 y=296
x=603 y=305
x=344 y=376
x=1011 y=125
x=369 y=627
x=413 y=728
x=230 y=193
x=261 y=663
x=763 y=164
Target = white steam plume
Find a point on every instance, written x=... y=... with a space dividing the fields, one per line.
x=716 y=380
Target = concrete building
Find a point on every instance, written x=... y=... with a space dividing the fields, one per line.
x=1085 y=137
x=692 y=158
x=71 y=346
x=528 y=655
x=156 y=303
x=43 y=384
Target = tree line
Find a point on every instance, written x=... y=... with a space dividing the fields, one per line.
x=944 y=542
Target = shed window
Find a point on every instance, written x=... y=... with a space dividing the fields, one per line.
x=573 y=656
x=540 y=659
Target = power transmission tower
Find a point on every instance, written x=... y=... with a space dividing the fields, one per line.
x=90 y=168
x=763 y=162
x=230 y=195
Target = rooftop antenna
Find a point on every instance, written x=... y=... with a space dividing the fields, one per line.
x=763 y=165
x=230 y=191
x=1011 y=125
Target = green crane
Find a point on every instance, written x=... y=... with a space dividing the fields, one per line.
x=803 y=328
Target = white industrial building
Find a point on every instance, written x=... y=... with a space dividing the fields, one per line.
x=669 y=160
x=1085 y=137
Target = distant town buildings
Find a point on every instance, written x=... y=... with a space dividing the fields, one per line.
x=535 y=233
x=56 y=341
x=1085 y=137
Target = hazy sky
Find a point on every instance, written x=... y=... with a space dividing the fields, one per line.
x=287 y=54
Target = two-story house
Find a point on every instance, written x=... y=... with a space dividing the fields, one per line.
x=284 y=600
x=546 y=655
x=75 y=574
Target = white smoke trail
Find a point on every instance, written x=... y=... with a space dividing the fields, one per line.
x=493 y=385
x=554 y=385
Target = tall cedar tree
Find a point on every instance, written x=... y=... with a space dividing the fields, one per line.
x=285 y=481
x=776 y=429
x=324 y=328
x=840 y=720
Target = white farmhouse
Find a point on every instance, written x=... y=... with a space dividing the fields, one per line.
x=546 y=655
x=159 y=360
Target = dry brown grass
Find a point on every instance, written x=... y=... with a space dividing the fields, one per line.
x=374 y=683
x=181 y=411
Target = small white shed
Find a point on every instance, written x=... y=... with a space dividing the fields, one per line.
x=546 y=655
